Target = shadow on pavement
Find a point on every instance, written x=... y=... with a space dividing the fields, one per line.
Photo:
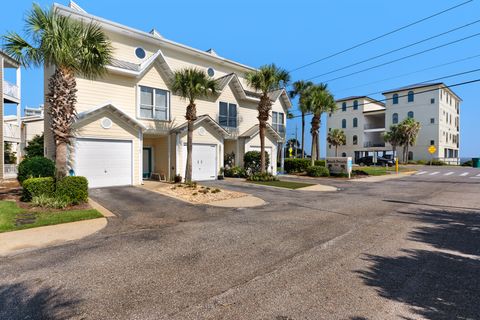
x=442 y=283
x=20 y=301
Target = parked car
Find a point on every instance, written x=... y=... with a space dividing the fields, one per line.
x=368 y=161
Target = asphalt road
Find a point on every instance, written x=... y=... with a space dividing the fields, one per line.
x=404 y=248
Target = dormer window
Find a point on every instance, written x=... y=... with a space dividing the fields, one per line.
x=140 y=53
x=154 y=104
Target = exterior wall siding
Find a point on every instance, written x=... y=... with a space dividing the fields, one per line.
x=2 y=156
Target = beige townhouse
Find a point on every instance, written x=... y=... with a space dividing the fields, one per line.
x=131 y=125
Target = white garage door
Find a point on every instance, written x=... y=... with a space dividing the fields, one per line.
x=269 y=151
x=204 y=162
x=104 y=162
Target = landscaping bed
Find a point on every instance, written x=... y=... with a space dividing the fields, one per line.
x=18 y=217
x=193 y=192
x=283 y=184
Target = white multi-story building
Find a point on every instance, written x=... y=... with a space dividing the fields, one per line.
x=365 y=120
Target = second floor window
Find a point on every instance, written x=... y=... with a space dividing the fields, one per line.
x=395 y=98
x=154 y=103
x=355 y=105
x=278 y=121
x=411 y=96
x=344 y=123
x=228 y=115
x=395 y=118
x=344 y=107
x=410 y=114
x=355 y=122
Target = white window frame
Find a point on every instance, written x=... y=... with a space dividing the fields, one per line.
x=169 y=115
x=228 y=115
x=276 y=125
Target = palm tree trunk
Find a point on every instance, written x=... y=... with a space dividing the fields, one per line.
x=61 y=100
x=336 y=151
x=264 y=107
x=317 y=156
x=314 y=146
x=191 y=116
x=303 y=135
x=262 y=147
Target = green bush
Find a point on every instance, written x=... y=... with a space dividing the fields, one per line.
x=318 y=171
x=35 y=187
x=50 y=202
x=262 y=177
x=300 y=165
x=35 y=167
x=251 y=162
x=75 y=189
x=438 y=163
x=422 y=162
x=235 y=172
x=468 y=163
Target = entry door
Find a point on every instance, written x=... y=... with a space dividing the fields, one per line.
x=204 y=161
x=147 y=163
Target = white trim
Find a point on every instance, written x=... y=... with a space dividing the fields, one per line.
x=215 y=145
x=108 y=105
x=169 y=153
x=140 y=158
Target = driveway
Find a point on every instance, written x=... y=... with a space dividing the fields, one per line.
x=397 y=249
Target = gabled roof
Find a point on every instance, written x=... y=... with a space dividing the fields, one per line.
x=205 y=118
x=84 y=116
x=138 y=70
x=255 y=129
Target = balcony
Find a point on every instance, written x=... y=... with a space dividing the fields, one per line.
x=374 y=126
x=11 y=90
x=11 y=132
x=280 y=128
x=373 y=144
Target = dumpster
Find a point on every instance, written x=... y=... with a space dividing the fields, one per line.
x=476 y=162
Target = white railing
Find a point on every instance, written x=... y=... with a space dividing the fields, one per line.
x=11 y=131
x=368 y=126
x=10 y=169
x=11 y=90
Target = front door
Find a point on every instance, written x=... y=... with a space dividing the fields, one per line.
x=147 y=163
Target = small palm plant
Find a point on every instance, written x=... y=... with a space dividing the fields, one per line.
x=409 y=129
x=336 y=138
x=394 y=138
x=266 y=80
x=299 y=89
x=192 y=84
x=73 y=48
x=319 y=100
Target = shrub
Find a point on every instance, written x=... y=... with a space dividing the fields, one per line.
x=320 y=163
x=262 y=177
x=35 y=167
x=468 y=163
x=50 y=202
x=35 y=187
x=74 y=189
x=317 y=171
x=35 y=147
x=438 y=163
x=423 y=162
x=300 y=165
x=235 y=172
x=251 y=162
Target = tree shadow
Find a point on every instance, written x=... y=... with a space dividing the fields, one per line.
x=442 y=283
x=22 y=301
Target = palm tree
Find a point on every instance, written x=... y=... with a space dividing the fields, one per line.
x=266 y=79
x=74 y=48
x=319 y=100
x=299 y=89
x=394 y=138
x=192 y=84
x=409 y=129
x=336 y=138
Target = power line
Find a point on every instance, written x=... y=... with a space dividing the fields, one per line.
x=402 y=96
x=399 y=49
x=399 y=59
x=410 y=73
x=381 y=36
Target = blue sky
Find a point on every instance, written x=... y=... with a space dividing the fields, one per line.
x=298 y=32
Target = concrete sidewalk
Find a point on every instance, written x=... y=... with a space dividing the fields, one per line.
x=23 y=240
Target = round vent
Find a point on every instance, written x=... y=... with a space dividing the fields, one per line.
x=106 y=123
x=140 y=53
x=211 y=72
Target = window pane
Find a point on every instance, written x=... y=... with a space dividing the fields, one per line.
x=281 y=118
x=274 y=117
x=146 y=111
x=232 y=110
x=223 y=109
x=160 y=98
x=146 y=96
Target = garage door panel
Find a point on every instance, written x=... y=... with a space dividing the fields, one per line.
x=204 y=161
x=104 y=162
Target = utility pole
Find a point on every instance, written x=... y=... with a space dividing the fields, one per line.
x=296 y=141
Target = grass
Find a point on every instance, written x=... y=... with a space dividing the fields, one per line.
x=10 y=212
x=380 y=171
x=283 y=184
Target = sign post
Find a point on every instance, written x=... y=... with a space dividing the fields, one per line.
x=432 y=150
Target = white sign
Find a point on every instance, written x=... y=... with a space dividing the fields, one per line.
x=338 y=165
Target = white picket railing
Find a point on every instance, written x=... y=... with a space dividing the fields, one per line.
x=11 y=90
x=10 y=170
x=11 y=131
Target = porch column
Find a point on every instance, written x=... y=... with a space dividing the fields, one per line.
x=1 y=118
x=282 y=157
x=18 y=81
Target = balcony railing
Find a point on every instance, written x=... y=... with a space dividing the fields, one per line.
x=11 y=131
x=367 y=126
x=370 y=144
x=11 y=90
x=280 y=128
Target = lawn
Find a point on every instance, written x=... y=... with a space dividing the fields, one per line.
x=283 y=184
x=14 y=218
